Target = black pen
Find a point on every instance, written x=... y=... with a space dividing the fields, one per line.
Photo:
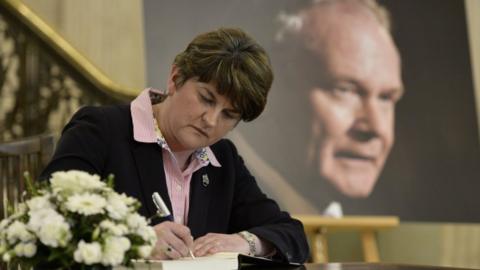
x=162 y=211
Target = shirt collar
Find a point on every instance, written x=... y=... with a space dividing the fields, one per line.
x=145 y=128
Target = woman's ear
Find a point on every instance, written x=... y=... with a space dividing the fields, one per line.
x=171 y=85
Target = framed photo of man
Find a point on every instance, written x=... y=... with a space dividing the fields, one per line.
x=372 y=106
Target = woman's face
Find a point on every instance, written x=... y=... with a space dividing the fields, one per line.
x=197 y=116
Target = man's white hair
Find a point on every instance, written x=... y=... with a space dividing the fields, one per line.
x=293 y=23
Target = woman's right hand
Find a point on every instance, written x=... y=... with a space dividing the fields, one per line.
x=174 y=241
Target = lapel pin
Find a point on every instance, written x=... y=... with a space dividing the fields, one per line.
x=205 y=180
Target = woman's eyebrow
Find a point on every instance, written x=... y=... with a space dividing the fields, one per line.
x=209 y=91
x=233 y=111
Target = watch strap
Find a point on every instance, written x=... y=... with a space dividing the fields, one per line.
x=250 y=238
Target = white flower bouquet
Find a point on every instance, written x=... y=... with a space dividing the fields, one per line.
x=75 y=220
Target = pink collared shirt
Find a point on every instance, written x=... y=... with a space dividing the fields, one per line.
x=146 y=130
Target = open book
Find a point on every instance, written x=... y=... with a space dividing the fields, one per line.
x=218 y=261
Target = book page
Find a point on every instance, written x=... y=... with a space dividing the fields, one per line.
x=218 y=261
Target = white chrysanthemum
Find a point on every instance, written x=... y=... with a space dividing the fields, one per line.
x=29 y=250
x=75 y=182
x=127 y=199
x=135 y=221
x=86 y=204
x=114 y=229
x=6 y=257
x=25 y=249
x=144 y=251
x=148 y=234
x=3 y=246
x=117 y=207
x=55 y=233
x=39 y=202
x=41 y=216
x=3 y=224
x=114 y=250
x=17 y=231
x=138 y=225
x=18 y=249
x=88 y=253
x=51 y=227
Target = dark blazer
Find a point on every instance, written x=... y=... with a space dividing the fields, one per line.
x=100 y=140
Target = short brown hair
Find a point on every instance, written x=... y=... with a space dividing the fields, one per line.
x=232 y=60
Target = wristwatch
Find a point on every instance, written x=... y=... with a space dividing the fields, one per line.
x=250 y=238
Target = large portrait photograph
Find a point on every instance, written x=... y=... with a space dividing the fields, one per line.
x=372 y=108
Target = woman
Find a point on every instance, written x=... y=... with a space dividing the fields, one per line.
x=170 y=142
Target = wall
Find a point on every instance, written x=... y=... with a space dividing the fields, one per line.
x=473 y=23
x=108 y=32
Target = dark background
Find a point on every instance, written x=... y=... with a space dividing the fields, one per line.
x=433 y=172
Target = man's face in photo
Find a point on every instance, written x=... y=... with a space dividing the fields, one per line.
x=353 y=104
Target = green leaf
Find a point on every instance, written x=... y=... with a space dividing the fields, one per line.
x=10 y=208
x=96 y=234
x=110 y=181
x=31 y=189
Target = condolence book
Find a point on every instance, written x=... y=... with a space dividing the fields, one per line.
x=219 y=261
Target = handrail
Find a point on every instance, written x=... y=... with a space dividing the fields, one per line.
x=312 y=222
x=67 y=51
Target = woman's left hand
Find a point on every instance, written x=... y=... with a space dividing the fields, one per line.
x=216 y=242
